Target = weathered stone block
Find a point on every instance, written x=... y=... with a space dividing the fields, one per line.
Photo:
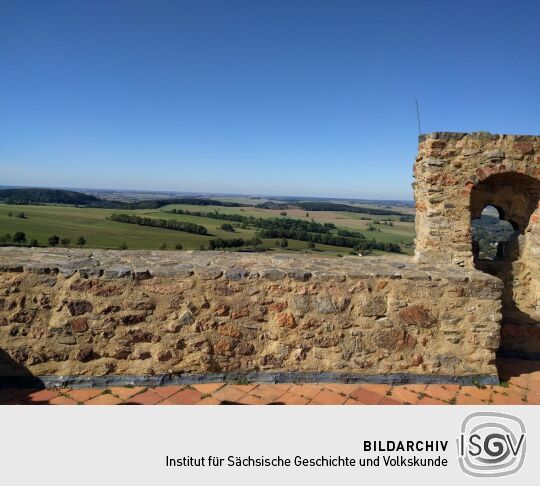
x=79 y=307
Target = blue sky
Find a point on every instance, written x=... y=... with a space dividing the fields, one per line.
x=260 y=97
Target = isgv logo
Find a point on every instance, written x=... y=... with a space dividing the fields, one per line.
x=491 y=444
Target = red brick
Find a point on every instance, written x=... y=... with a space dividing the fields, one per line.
x=520 y=381
x=167 y=391
x=534 y=386
x=104 y=399
x=186 y=397
x=327 y=397
x=343 y=389
x=208 y=388
x=228 y=394
x=148 y=397
x=352 y=401
x=533 y=398
x=534 y=376
x=208 y=401
x=516 y=390
x=62 y=400
x=307 y=390
x=283 y=386
x=442 y=392
x=290 y=398
x=251 y=400
x=367 y=397
x=85 y=394
x=389 y=401
x=125 y=392
x=462 y=399
x=40 y=396
x=403 y=395
x=268 y=392
x=245 y=388
x=416 y=388
x=430 y=401
x=481 y=394
x=510 y=399
x=380 y=388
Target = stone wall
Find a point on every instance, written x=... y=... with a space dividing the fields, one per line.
x=457 y=176
x=198 y=315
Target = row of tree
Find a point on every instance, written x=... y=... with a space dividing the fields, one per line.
x=37 y=196
x=19 y=238
x=408 y=218
x=219 y=243
x=265 y=223
x=360 y=244
x=55 y=240
x=350 y=234
x=170 y=224
x=330 y=206
x=324 y=239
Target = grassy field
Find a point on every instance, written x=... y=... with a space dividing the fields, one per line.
x=402 y=233
x=41 y=222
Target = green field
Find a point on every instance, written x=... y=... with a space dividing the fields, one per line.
x=41 y=222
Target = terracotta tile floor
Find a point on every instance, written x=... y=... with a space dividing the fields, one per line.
x=520 y=385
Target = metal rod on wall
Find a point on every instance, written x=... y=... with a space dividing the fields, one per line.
x=418 y=117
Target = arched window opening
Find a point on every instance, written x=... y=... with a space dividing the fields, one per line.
x=494 y=238
x=505 y=241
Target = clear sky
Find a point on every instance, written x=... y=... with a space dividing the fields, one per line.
x=282 y=97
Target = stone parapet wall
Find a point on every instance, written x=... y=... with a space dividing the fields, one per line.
x=457 y=176
x=449 y=167
x=118 y=313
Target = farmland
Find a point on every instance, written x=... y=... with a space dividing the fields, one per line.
x=233 y=223
x=69 y=222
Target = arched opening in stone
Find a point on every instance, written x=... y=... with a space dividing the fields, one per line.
x=510 y=250
x=493 y=237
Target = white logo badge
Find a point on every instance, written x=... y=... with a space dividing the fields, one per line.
x=491 y=444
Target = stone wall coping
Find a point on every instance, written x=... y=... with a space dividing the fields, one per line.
x=81 y=381
x=476 y=135
x=212 y=265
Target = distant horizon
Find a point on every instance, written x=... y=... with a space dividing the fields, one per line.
x=202 y=193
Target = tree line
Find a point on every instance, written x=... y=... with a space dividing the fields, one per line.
x=329 y=206
x=158 y=203
x=170 y=224
x=360 y=244
x=407 y=218
x=40 y=196
x=265 y=223
x=219 y=243
x=19 y=238
x=46 y=196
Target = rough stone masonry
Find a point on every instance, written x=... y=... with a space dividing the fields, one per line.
x=457 y=176
x=83 y=317
x=109 y=313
